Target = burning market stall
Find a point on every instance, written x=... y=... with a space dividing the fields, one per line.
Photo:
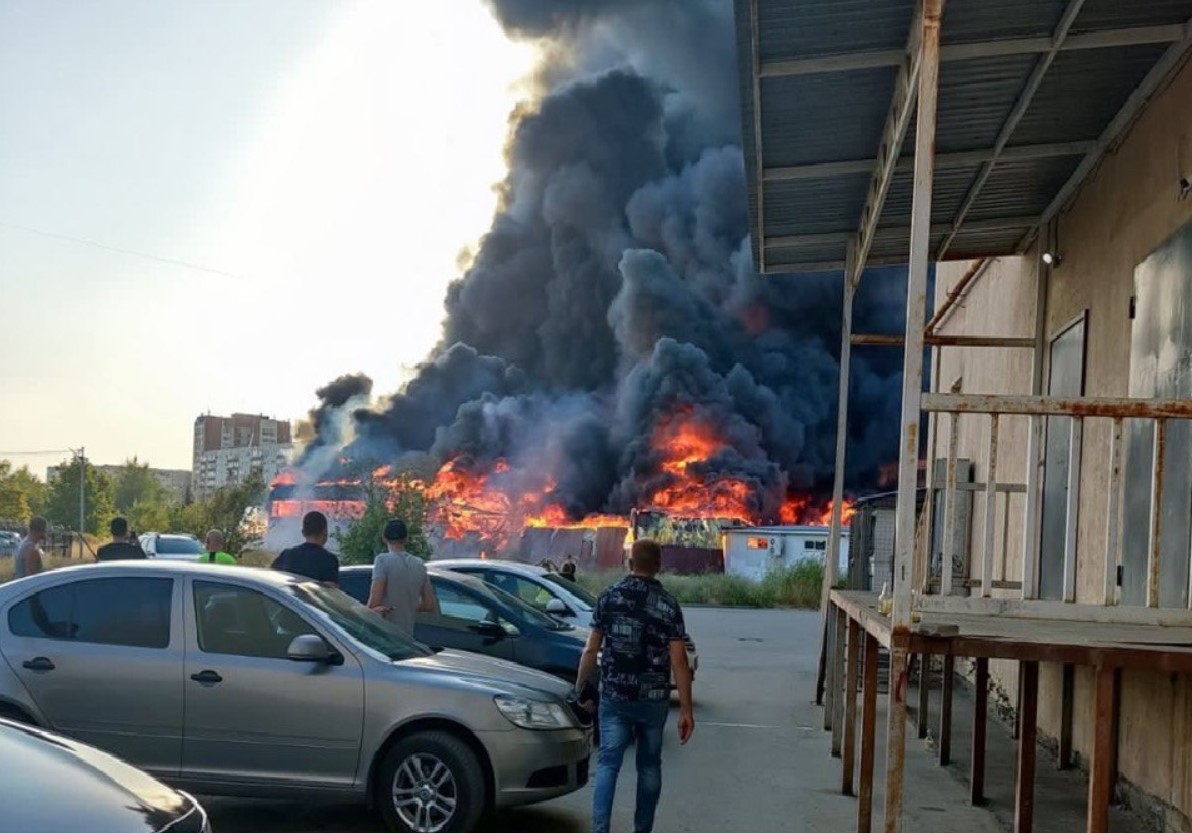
x=1013 y=106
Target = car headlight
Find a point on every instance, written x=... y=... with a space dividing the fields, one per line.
x=532 y=714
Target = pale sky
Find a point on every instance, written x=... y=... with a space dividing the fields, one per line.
x=331 y=157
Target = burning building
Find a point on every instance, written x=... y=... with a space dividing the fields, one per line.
x=610 y=347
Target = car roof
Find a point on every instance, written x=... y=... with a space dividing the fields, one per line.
x=492 y=563
x=432 y=568
x=185 y=535
x=152 y=568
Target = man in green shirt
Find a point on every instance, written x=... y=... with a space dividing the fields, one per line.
x=215 y=553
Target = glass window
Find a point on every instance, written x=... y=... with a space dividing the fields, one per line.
x=358 y=622
x=573 y=588
x=528 y=591
x=134 y=612
x=242 y=622
x=356 y=583
x=178 y=545
x=459 y=605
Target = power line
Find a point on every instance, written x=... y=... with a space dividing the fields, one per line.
x=37 y=453
x=169 y=261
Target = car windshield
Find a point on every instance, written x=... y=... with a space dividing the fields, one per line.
x=359 y=623
x=573 y=588
x=527 y=613
x=178 y=545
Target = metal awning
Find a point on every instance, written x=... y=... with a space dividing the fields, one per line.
x=1032 y=93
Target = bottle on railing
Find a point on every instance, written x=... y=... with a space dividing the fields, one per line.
x=885 y=602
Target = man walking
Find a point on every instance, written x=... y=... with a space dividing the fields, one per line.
x=400 y=585
x=120 y=548
x=28 y=558
x=311 y=558
x=215 y=550
x=639 y=626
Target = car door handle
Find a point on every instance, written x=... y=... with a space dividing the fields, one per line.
x=38 y=664
x=207 y=677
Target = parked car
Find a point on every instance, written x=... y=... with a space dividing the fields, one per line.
x=541 y=588
x=171 y=546
x=477 y=617
x=53 y=783
x=9 y=541
x=263 y=684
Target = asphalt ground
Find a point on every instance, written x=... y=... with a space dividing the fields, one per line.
x=758 y=761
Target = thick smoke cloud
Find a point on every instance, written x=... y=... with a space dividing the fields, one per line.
x=615 y=288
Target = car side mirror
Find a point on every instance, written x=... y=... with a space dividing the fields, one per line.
x=557 y=608
x=311 y=647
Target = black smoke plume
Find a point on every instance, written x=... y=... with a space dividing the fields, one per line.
x=615 y=288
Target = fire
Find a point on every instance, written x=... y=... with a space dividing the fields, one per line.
x=799 y=510
x=684 y=442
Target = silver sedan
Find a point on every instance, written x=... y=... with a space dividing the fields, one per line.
x=254 y=683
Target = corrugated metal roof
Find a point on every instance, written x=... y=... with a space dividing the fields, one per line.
x=817 y=111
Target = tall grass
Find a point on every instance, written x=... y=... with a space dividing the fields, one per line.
x=50 y=562
x=796 y=587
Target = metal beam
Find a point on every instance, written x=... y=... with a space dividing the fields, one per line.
x=898 y=120
x=1134 y=105
x=754 y=44
x=960 y=159
x=828 y=265
x=849 y=62
x=793 y=241
x=926 y=39
x=1071 y=12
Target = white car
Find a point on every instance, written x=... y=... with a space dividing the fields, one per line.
x=545 y=590
x=171 y=546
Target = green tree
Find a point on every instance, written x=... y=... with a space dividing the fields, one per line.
x=21 y=494
x=224 y=509
x=135 y=483
x=403 y=497
x=62 y=504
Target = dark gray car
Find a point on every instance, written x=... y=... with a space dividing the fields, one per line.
x=255 y=683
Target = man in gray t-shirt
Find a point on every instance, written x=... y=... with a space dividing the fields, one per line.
x=400 y=586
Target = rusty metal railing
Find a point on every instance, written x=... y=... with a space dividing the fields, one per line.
x=1037 y=409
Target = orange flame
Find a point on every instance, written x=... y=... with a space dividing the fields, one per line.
x=685 y=441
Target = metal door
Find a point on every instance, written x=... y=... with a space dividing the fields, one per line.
x=102 y=660
x=1160 y=367
x=1065 y=378
x=252 y=715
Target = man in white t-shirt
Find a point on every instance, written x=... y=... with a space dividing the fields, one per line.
x=400 y=586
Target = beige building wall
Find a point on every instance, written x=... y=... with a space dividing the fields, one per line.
x=1123 y=213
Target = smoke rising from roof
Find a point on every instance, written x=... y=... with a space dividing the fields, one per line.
x=615 y=287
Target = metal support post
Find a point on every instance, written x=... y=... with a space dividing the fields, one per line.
x=912 y=392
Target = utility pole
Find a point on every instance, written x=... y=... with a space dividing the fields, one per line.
x=82 y=494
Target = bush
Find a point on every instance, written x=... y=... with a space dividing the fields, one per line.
x=797 y=587
x=403 y=498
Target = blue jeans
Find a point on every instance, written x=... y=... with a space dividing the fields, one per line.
x=620 y=725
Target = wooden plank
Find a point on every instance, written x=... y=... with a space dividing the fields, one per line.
x=1113 y=515
x=924 y=694
x=945 y=739
x=980 y=720
x=1024 y=790
x=1084 y=406
x=948 y=542
x=850 y=706
x=829 y=686
x=1056 y=611
x=1030 y=524
x=896 y=739
x=868 y=736
x=837 y=684
x=1101 y=760
x=990 y=509
x=1067 y=695
x=1156 y=528
x=1075 y=444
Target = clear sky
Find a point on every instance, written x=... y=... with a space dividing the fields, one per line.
x=327 y=159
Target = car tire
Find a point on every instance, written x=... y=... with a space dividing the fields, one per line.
x=420 y=774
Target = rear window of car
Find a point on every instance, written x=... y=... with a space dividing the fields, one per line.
x=133 y=612
x=178 y=546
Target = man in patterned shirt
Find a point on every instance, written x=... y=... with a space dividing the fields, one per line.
x=638 y=634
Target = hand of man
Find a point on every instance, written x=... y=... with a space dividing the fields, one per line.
x=686 y=725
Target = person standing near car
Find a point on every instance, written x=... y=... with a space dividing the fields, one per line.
x=215 y=550
x=639 y=636
x=401 y=587
x=120 y=548
x=311 y=558
x=27 y=561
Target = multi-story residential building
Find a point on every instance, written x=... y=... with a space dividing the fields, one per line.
x=229 y=449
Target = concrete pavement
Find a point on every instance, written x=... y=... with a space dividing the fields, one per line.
x=758 y=761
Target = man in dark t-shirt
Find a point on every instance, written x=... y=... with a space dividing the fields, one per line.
x=311 y=558
x=121 y=547
x=638 y=634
